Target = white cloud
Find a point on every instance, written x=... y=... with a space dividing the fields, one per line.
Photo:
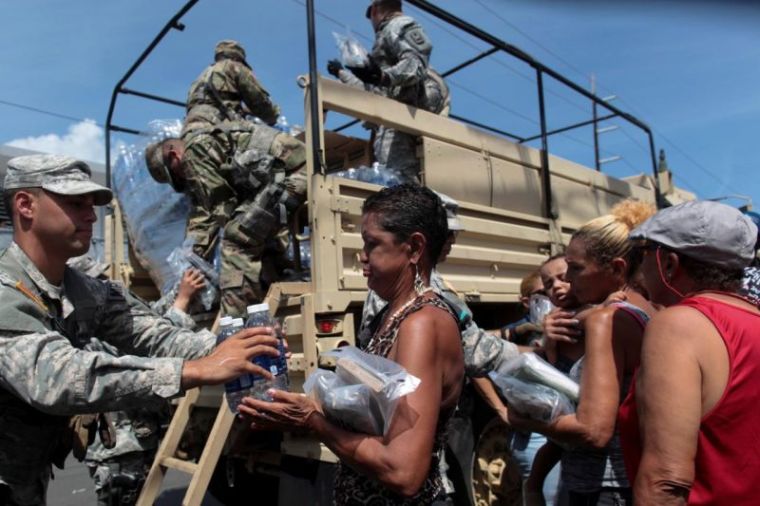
x=84 y=140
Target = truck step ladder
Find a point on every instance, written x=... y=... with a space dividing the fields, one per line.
x=202 y=471
x=166 y=459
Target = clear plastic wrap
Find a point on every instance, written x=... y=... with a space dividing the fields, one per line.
x=531 y=368
x=540 y=306
x=363 y=392
x=377 y=174
x=352 y=52
x=183 y=258
x=532 y=400
x=155 y=215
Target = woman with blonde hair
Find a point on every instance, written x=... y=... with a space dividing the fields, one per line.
x=600 y=262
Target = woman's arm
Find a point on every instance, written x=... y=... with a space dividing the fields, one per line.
x=669 y=402
x=593 y=423
x=428 y=346
x=488 y=393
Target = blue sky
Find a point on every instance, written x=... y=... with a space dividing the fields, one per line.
x=691 y=70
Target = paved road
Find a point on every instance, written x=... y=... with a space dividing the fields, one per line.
x=74 y=487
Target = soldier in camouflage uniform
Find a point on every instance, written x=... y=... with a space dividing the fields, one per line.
x=398 y=68
x=120 y=471
x=245 y=178
x=49 y=313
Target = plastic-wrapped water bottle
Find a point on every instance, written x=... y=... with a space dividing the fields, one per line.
x=305 y=248
x=240 y=387
x=259 y=316
x=282 y=124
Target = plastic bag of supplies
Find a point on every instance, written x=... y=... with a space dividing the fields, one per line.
x=352 y=52
x=363 y=392
x=531 y=368
x=533 y=400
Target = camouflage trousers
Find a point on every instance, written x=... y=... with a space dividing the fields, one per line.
x=118 y=480
x=398 y=150
x=253 y=225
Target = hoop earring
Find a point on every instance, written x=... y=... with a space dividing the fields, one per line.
x=419 y=284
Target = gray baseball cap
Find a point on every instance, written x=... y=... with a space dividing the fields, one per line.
x=451 y=206
x=711 y=232
x=55 y=173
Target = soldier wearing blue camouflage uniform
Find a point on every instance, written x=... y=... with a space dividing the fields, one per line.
x=398 y=68
x=243 y=177
x=50 y=312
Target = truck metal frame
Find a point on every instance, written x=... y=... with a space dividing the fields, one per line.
x=518 y=204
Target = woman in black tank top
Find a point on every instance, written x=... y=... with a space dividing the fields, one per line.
x=404 y=229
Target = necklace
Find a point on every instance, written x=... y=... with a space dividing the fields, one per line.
x=390 y=319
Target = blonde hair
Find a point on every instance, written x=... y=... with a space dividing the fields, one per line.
x=526 y=285
x=606 y=237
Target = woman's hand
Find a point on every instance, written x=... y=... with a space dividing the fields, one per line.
x=562 y=326
x=287 y=411
x=525 y=424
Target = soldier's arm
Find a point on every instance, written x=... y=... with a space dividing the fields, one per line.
x=254 y=96
x=133 y=327
x=41 y=367
x=412 y=49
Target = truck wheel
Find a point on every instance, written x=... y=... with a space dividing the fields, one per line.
x=479 y=457
x=496 y=479
x=246 y=486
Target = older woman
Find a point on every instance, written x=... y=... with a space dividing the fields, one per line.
x=404 y=229
x=599 y=263
x=696 y=390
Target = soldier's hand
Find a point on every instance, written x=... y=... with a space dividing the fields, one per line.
x=370 y=74
x=334 y=67
x=231 y=358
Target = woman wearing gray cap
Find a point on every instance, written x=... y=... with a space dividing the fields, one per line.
x=695 y=398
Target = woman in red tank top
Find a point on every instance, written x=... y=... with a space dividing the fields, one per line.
x=689 y=426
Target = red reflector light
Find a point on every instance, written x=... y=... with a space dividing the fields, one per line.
x=327 y=326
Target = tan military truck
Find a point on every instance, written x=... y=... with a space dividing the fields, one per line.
x=518 y=205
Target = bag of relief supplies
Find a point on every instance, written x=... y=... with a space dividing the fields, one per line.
x=535 y=388
x=352 y=52
x=363 y=392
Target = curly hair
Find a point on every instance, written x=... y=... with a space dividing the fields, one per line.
x=408 y=208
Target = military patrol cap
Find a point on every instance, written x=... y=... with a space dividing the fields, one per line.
x=58 y=174
x=154 y=159
x=396 y=3
x=230 y=49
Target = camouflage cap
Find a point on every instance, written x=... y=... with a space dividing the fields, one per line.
x=154 y=159
x=392 y=3
x=230 y=49
x=59 y=174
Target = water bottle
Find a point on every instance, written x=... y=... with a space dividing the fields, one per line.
x=282 y=124
x=258 y=316
x=240 y=387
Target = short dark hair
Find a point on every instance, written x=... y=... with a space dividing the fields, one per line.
x=8 y=199
x=711 y=277
x=408 y=208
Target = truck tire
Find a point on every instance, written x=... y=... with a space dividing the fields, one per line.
x=479 y=456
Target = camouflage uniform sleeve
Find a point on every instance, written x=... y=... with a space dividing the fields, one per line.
x=179 y=318
x=51 y=375
x=254 y=96
x=408 y=47
x=483 y=352
x=130 y=325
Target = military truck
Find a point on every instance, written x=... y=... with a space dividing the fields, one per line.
x=518 y=205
